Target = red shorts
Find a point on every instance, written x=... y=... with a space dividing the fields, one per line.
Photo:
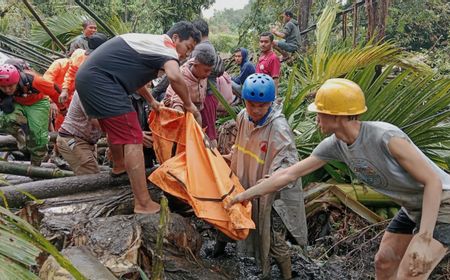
x=122 y=129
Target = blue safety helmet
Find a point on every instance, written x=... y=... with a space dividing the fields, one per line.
x=259 y=88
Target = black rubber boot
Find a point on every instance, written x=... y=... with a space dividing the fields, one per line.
x=219 y=248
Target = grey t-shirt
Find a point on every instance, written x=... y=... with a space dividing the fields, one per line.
x=292 y=33
x=80 y=42
x=370 y=160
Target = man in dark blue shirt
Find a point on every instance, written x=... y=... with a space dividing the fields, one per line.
x=246 y=69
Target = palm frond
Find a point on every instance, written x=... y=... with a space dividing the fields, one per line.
x=118 y=26
x=20 y=245
x=68 y=26
x=65 y=27
x=222 y=101
x=323 y=31
x=11 y=270
x=347 y=60
x=418 y=104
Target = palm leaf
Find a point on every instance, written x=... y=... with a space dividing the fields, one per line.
x=222 y=101
x=20 y=244
x=118 y=26
x=418 y=104
x=11 y=270
x=323 y=31
x=65 y=27
x=16 y=248
x=68 y=26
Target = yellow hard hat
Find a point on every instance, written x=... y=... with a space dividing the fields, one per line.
x=340 y=97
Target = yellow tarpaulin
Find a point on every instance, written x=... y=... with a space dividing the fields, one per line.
x=197 y=174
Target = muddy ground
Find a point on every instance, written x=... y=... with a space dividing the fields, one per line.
x=341 y=246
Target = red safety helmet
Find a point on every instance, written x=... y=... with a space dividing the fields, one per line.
x=9 y=75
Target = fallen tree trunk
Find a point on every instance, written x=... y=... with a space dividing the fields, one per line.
x=8 y=180
x=33 y=171
x=7 y=143
x=44 y=164
x=19 y=194
x=122 y=243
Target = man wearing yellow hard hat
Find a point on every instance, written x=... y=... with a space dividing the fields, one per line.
x=383 y=157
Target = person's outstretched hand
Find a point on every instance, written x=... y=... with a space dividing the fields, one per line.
x=63 y=96
x=148 y=139
x=420 y=257
x=156 y=106
x=242 y=197
x=193 y=109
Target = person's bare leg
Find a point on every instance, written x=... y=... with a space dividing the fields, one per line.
x=134 y=164
x=387 y=260
x=436 y=251
x=117 y=158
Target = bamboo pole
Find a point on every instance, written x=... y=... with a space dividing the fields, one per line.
x=26 y=49
x=25 y=45
x=36 y=16
x=32 y=171
x=18 y=195
x=42 y=48
x=96 y=18
x=348 y=10
x=355 y=205
x=45 y=66
x=355 y=21
x=344 y=27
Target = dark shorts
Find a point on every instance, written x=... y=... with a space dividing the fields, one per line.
x=102 y=95
x=287 y=47
x=402 y=224
x=122 y=129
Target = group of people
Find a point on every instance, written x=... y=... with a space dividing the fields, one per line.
x=98 y=80
x=269 y=62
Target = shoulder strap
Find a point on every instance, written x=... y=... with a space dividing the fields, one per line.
x=26 y=84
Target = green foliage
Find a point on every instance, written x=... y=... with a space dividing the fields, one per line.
x=64 y=18
x=224 y=43
x=417 y=103
x=419 y=24
x=172 y=11
x=228 y=20
x=259 y=16
x=438 y=58
x=15 y=18
x=416 y=100
x=323 y=31
x=65 y=27
x=20 y=245
x=222 y=101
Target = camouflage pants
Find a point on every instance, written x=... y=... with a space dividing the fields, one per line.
x=29 y=125
x=226 y=136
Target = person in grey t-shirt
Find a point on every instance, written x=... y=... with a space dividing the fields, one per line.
x=383 y=157
x=81 y=41
x=290 y=34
